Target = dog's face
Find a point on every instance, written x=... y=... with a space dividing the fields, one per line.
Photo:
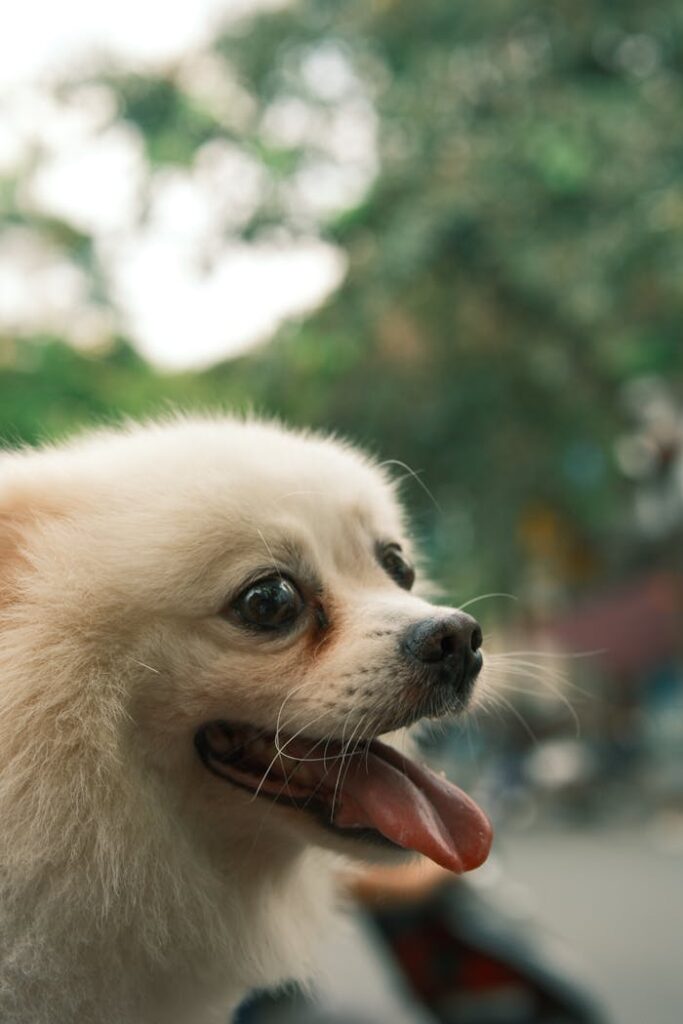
x=253 y=596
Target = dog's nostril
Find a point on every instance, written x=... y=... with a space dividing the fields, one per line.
x=447 y=645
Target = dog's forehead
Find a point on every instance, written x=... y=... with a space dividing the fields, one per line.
x=305 y=501
x=326 y=530
x=320 y=507
x=235 y=492
x=269 y=474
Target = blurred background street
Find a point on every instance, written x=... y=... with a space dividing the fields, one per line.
x=453 y=233
x=613 y=896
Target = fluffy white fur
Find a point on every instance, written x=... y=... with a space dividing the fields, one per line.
x=135 y=887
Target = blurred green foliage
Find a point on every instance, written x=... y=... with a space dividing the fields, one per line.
x=518 y=259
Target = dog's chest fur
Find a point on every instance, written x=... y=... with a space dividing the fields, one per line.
x=187 y=959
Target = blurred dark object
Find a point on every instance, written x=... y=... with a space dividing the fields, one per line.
x=458 y=952
x=471 y=963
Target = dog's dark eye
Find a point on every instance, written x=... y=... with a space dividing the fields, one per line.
x=395 y=565
x=269 y=604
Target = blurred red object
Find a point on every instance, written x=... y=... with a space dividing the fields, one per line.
x=631 y=629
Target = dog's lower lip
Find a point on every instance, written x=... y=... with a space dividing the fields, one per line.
x=369 y=790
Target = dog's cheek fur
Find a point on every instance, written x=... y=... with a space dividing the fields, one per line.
x=103 y=893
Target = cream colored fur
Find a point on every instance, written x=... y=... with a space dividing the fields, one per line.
x=135 y=887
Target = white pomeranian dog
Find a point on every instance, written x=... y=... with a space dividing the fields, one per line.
x=205 y=625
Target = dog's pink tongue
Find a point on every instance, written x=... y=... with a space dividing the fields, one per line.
x=414 y=808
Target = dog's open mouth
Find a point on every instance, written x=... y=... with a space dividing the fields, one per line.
x=374 y=791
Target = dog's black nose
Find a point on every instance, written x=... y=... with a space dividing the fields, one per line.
x=449 y=644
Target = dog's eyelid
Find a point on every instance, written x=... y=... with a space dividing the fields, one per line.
x=302 y=579
x=269 y=604
x=390 y=556
x=382 y=546
x=265 y=572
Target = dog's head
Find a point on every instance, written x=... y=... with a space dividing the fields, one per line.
x=245 y=602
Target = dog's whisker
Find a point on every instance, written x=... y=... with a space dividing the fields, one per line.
x=551 y=669
x=553 y=681
x=553 y=693
x=540 y=672
x=344 y=768
x=320 y=784
x=486 y=597
x=343 y=750
x=415 y=475
x=281 y=755
x=278 y=750
x=142 y=664
x=553 y=654
x=519 y=716
x=288 y=777
x=270 y=553
x=288 y=696
x=488 y=699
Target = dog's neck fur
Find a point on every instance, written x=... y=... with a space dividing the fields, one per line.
x=103 y=889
